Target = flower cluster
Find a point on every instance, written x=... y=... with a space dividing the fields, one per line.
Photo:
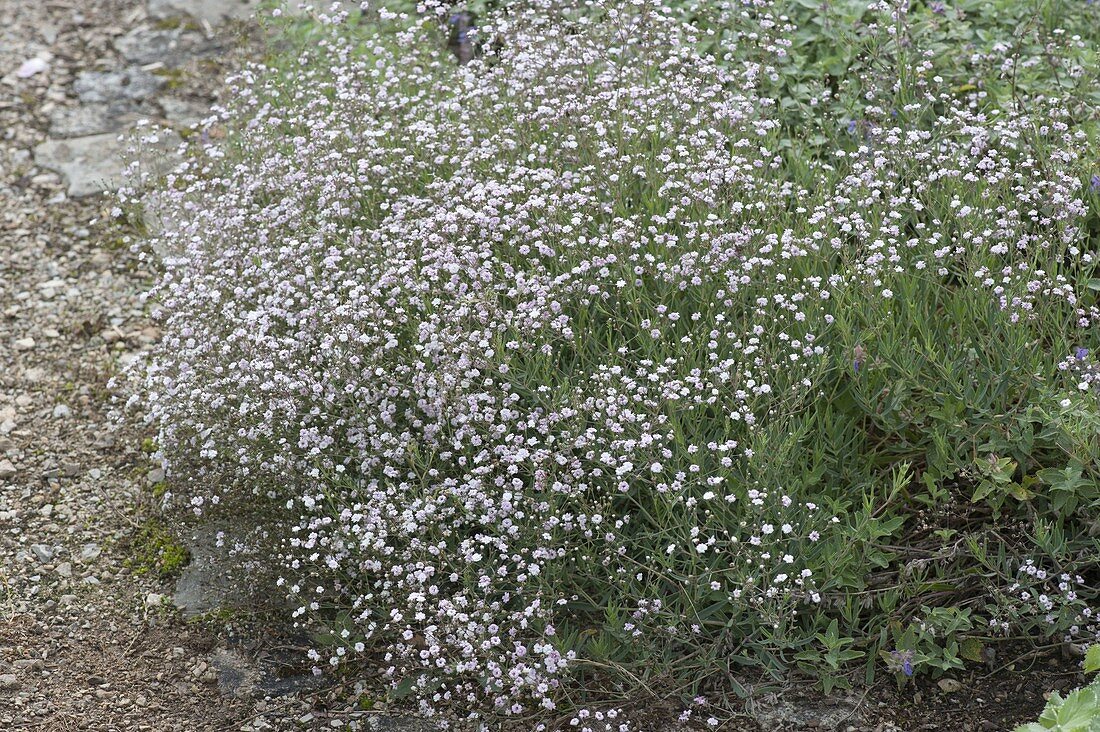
x=1084 y=372
x=518 y=348
x=1059 y=601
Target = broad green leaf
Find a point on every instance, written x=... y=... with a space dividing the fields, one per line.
x=1078 y=710
x=1092 y=659
x=971 y=650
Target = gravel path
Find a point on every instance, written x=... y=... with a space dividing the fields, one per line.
x=85 y=641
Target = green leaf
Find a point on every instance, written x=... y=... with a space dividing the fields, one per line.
x=1092 y=659
x=971 y=650
x=1018 y=492
x=984 y=489
x=1067 y=479
x=1078 y=710
x=404 y=687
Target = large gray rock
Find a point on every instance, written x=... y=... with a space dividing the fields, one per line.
x=112 y=87
x=790 y=711
x=386 y=723
x=91 y=119
x=213 y=12
x=237 y=676
x=244 y=676
x=95 y=163
x=170 y=47
x=206 y=583
x=184 y=112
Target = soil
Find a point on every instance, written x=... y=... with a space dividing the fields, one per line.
x=86 y=641
x=978 y=699
x=987 y=700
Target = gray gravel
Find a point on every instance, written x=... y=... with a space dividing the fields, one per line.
x=209 y=12
x=87 y=640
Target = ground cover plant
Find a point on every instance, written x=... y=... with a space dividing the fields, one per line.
x=637 y=360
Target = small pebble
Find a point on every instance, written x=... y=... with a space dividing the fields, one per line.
x=42 y=552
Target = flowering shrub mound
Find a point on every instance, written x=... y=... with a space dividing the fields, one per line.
x=558 y=378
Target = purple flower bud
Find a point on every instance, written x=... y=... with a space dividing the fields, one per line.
x=901 y=661
x=859 y=355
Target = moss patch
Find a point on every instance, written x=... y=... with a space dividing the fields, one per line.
x=155 y=550
x=173 y=78
x=175 y=22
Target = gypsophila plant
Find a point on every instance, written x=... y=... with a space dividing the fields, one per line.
x=561 y=377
